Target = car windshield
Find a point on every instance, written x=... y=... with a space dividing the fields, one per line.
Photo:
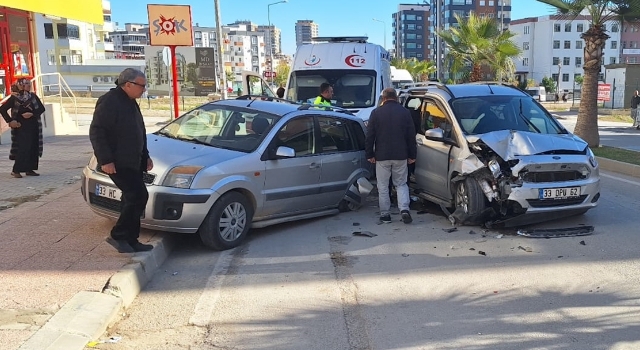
x=482 y=114
x=351 y=88
x=215 y=125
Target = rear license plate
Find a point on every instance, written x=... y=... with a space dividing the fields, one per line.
x=108 y=192
x=559 y=193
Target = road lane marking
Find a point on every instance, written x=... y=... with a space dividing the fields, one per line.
x=209 y=298
x=631 y=182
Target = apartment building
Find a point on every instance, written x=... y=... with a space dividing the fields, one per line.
x=630 y=38
x=411 y=36
x=273 y=39
x=130 y=41
x=552 y=47
x=306 y=30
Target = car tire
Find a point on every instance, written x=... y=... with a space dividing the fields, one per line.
x=227 y=223
x=347 y=206
x=469 y=201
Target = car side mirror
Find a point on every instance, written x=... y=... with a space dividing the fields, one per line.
x=285 y=152
x=436 y=134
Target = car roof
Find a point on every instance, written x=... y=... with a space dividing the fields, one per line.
x=283 y=107
x=466 y=90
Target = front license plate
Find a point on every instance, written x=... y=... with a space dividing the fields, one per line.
x=559 y=193
x=108 y=192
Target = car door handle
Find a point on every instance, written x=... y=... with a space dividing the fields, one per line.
x=314 y=166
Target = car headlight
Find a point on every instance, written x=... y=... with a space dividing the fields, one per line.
x=592 y=158
x=181 y=176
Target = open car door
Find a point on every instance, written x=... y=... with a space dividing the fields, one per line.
x=253 y=84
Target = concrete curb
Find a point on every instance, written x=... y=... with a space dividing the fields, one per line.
x=86 y=316
x=619 y=167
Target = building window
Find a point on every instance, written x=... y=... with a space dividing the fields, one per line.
x=565 y=77
x=525 y=61
x=567 y=44
x=197 y=35
x=411 y=17
x=419 y=18
x=411 y=27
x=576 y=76
x=614 y=28
x=526 y=29
x=567 y=27
x=411 y=45
x=556 y=44
x=482 y=3
x=48 y=30
x=612 y=60
x=633 y=44
x=624 y=44
x=411 y=36
x=578 y=44
x=556 y=27
x=578 y=61
x=566 y=61
x=554 y=76
x=580 y=28
x=614 y=45
x=555 y=61
x=632 y=60
x=419 y=55
x=525 y=45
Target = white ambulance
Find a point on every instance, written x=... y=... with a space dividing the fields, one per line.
x=357 y=70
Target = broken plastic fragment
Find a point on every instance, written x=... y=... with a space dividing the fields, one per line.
x=449 y=230
x=482 y=253
x=583 y=243
x=364 y=234
x=499 y=236
x=557 y=232
x=527 y=249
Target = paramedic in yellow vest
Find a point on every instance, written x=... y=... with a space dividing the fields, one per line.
x=326 y=93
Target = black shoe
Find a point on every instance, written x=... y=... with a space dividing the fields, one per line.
x=31 y=173
x=140 y=247
x=16 y=175
x=385 y=219
x=406 y=217
x=121 y=245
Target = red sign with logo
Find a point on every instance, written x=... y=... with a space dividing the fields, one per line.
x=269 y=74
x=604 y=92
x=355 y=61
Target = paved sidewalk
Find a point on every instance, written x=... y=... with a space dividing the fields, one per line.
x=61 y=282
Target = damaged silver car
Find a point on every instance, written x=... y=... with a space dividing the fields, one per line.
x=490 y=154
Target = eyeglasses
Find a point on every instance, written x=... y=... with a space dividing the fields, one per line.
x=140 y=85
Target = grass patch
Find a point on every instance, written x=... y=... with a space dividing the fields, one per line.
x=620 y=118
x=619 y=154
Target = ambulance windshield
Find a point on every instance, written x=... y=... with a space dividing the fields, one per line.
x=351 y=88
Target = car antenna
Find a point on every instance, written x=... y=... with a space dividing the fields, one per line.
x=490 y=89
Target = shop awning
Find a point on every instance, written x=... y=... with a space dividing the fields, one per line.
x=81 y=10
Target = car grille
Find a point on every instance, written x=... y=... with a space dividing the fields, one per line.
x=148 y=178
x=548 y=203
x=553 y=176
x=105 y=203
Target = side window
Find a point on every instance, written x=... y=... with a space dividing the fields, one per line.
x=434 y=117
x=334 y=135
x=298 y=134
x=357 y=135
x=257 y=87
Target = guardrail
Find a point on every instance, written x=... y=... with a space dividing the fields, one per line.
x=49 y=82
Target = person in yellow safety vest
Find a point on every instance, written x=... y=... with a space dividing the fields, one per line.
x=326 y=93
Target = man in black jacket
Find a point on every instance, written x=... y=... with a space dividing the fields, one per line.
x=391 y=146
x=635 y=101
x=119 y=141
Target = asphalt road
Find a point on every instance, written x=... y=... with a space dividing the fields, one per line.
x=314 y=285
x=621 y=135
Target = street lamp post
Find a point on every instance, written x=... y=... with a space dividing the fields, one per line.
x=385 y=31
x=271 y=30
x=558 y=84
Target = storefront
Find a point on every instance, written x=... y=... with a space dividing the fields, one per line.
x=18 y=47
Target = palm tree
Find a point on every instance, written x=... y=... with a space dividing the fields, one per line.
x=478 y=42
x=595 y=37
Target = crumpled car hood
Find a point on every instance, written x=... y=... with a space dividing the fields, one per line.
x=509 y=144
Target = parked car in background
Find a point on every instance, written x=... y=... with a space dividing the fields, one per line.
x=231 y=165
x=491 y=154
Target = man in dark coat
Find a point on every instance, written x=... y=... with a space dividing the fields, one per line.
x=391 y=146
x=119 y=141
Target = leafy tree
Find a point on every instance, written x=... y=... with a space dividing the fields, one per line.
x=192 y=77
x=478 y=42
x=549 y=84
x=599 y=12
x=230 y=75
x=282 y=74
x=579 y=80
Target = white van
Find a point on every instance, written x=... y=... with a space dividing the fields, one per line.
x=357 y=70
x=538 y=92
x=400 y=77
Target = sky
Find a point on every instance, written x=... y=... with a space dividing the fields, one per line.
x=334 y=17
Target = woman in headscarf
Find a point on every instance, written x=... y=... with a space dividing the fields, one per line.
x=26 y=129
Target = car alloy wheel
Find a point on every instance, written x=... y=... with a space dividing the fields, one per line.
x=232 y=222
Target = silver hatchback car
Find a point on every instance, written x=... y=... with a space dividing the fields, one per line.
x=230 y=165
x=493 y=155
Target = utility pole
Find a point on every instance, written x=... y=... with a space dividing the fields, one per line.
x=221 y=72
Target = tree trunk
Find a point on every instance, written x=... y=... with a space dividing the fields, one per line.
x=476 y=73
x=587 y=123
